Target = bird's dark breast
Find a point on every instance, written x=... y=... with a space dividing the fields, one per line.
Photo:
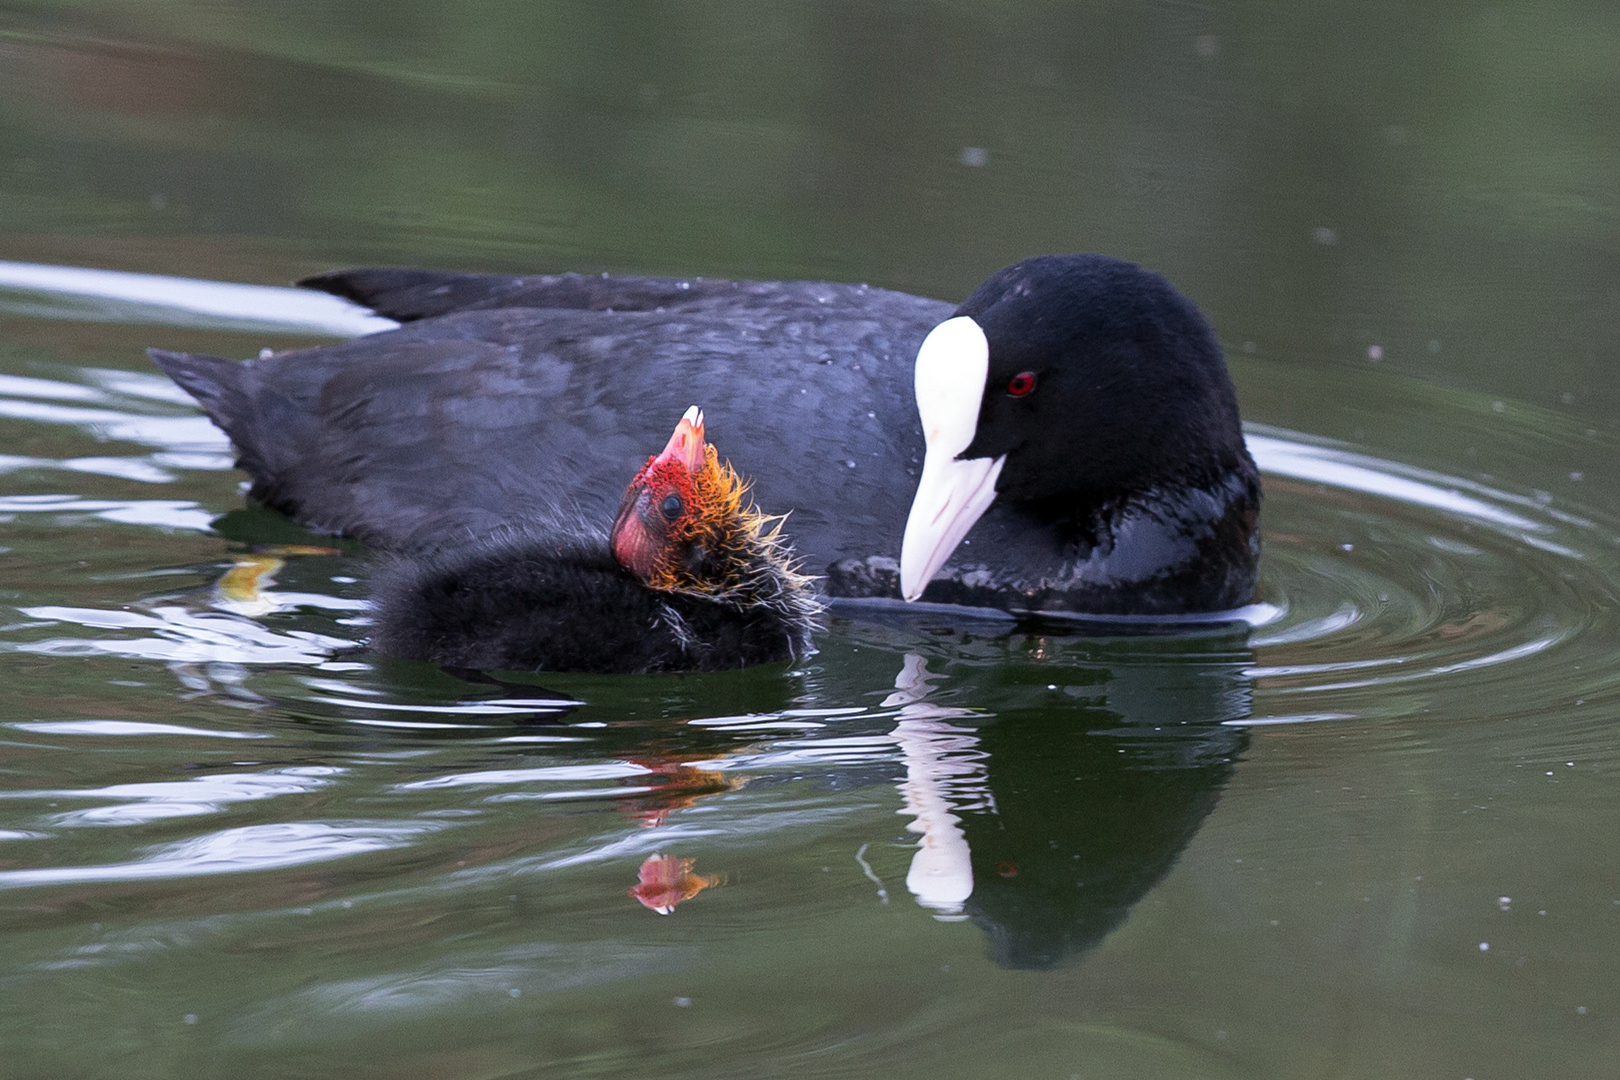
x=1166 y=552
x=453 y=426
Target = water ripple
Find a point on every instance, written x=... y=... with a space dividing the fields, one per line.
x=136 y=804
x=1497 y=603
x=164 y=513
x=120 y=728
x=164 y=432
x=231 y=851
x=179 y=635
x=546 y=774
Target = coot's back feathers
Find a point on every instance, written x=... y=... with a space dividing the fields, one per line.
x=453 y=426
x=409 y=295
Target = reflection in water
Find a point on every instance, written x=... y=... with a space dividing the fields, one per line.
x=1047 y=822
x=245 y=587
x=676 y=783
x=665 y=881
x=945 y=773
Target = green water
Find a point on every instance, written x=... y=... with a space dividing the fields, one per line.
x=1372 y=835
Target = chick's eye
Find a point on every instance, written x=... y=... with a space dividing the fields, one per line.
x=671 y=507
x=1021 y=384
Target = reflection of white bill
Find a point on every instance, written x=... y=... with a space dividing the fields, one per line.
x=945 y=773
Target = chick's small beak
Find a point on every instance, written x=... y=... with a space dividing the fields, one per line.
x=636 y=546
x=686 y=445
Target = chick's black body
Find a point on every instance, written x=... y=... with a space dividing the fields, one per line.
x=557 y=601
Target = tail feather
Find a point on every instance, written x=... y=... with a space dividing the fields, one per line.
x=214 y=382
x=408 y=295
x=224 y=388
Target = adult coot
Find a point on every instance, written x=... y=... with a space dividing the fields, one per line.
x=690 y=578
x=1082 y=452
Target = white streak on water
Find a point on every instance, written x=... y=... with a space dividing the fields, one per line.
x=166 y=513
x=136 y=804
x=179 y=635
x=129 y=727
x=548 y=774
x=50 y=389
x=124 y=468
x=116 y=296
x=478 y=708
x=252 y=847
x=1503 y=656
x=413 y=725
x=188 y=433
x=573 y=793
x=1344 y=617
x=139 y=384
x=1274 y=721
x=1339 y=468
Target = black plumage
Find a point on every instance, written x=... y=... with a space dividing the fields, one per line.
x=556 y=600
x=504 y=400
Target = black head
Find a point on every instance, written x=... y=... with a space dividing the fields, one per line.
x=1103 y=380
x=1064 y=383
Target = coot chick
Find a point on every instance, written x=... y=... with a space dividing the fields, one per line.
x=689 y=579
x=1083 y=451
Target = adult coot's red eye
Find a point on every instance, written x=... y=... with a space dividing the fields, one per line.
x=1021 y=384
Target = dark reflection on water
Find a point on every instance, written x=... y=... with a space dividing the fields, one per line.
x=1089 y=804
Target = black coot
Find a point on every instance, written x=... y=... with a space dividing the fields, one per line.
x=1082 y=451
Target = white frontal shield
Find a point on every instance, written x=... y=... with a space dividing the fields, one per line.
x=952 y=365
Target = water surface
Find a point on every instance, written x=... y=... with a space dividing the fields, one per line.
x=1367 y=832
